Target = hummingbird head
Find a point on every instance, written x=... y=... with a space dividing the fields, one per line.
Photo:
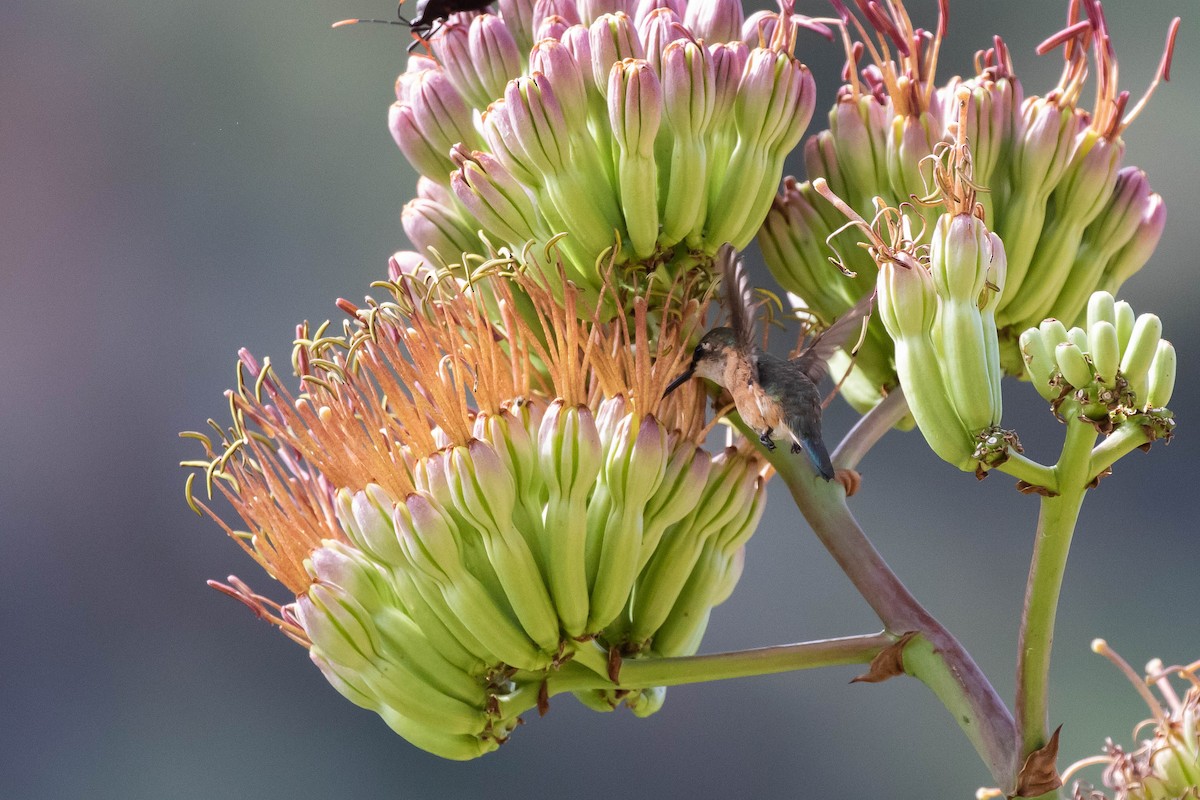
x=709 y=357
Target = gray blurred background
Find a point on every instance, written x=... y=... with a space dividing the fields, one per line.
x=183 y=179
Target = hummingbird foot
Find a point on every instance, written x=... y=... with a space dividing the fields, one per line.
x=765 y=438
x=796 y=448
x=850 y=480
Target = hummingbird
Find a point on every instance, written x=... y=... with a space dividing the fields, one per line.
x=773 y=395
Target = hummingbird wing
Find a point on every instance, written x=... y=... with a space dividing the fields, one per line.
x=739 y=297
x=813 y=360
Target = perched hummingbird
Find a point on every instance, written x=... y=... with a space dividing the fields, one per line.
x=772 y=394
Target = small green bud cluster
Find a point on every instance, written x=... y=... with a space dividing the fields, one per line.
x=1117 y=366
x=659 y=134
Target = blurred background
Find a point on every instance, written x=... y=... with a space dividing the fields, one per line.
x=183 y=179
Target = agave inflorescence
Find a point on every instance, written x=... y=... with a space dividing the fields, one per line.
x=657 y=129
x=1048 y=173
x=466 y=506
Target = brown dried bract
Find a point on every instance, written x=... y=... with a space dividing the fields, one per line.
x=888 y=663
x=1039 y=774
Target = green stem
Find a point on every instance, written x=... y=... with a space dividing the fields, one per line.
x=870 y=429
x=1030 y=471
x=947 y=668
x=1056 y=524
x=1123 y=441
x=645 y=673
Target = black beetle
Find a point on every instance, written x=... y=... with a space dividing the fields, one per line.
x=429 y=17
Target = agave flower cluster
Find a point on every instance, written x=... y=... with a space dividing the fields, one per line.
x=1165 y=766
x=1049 y=174
x=475 y=511
x=656 y=129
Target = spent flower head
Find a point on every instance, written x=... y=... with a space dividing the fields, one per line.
x=476 y=497
x=1164 y=766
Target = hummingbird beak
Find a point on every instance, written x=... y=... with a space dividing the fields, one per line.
x=680 y=381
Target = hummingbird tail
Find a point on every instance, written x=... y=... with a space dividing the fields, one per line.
x=818 y=455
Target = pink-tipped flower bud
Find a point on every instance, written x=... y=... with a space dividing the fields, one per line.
x=431 y=225
x=613 y=38
x=552 y=58
x=517 y=16
x=715 y=20
x=658 y=29
x=557 y=8
x=645 y=8
x=552 y=27
x=494 y=197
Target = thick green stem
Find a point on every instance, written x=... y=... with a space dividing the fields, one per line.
x=649 y=672
x=1056 y=524
x=946 y=668
x=870 y=429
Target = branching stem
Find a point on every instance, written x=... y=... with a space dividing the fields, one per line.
x=945 y=667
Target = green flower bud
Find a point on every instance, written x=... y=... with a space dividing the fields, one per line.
x=1040 y=365
x=1138 y=354
x=1101 y=308
x=907 y=303
x=570 y=457
x=959 y=256
x=1073 y=366
x=1104 y=350
x=633 y=470
x=635 y=112
x=1162 y=377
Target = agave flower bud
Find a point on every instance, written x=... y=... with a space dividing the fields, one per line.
x=613 y=39
x=658 y=29
x=552 y=27
x=421 y=153
x=993 y=100
x=565 y=9
x=715 y=20
x=727 y=499
x=635 y=111
x=717 y=569
x=591 y=10
x=1136 y=252
x=490 y=60
x=961 y=256
x=1121 y=219
x=1078 y=189
x=1040 y=365
x=552 y=58
x=1119 y=366
x=688 y=96
x=633 y=471
x=517 y=16
x=1081 y=194
x=908 y=306
x=494 y=197
x=774 y=102
x=571 y=457
x=441 y=118
x=432 y=226
x=855 y=158
x=644 y=8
